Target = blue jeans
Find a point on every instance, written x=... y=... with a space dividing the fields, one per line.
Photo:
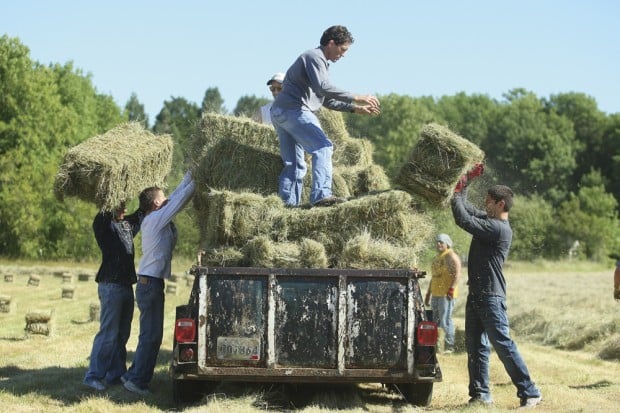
x=150 y=298
x=442 y=313
x=486 y=320
x=299 y=131
x=108 y=357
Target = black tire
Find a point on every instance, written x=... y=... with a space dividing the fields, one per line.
x=188 y=391
x=418 y=394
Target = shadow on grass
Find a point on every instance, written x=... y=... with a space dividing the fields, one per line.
x=64 y=385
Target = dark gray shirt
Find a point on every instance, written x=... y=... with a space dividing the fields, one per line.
x=491 y=239
x=306 y=86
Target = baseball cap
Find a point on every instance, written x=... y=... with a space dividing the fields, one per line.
x=445 y=238
x=278 y=77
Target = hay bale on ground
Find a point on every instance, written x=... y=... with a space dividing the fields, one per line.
x=38 y=316
x=436 y=163
x=114 y=167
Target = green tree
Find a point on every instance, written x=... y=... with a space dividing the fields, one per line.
x=134 y=110
x=589 y=124
x=530 y=149
x=469 y=116
x=43 y=112
x=531 y=219
x=590 y=217
x=248 y=105
x=213 y=102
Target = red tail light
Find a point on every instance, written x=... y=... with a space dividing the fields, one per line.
x=427 y=333
x=184 y=330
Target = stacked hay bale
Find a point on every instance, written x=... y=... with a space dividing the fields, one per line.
x=114 y=167
x=244 y=223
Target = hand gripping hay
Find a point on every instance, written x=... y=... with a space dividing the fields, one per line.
x=114 y=167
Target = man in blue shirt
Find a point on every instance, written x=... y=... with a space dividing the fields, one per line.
x=159 y=238
x=305 y=89
x=486 y=318
x=114 y=232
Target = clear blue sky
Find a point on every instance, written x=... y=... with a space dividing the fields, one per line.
x=163 y=49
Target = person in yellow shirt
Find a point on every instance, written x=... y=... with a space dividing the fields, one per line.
x=443 y=288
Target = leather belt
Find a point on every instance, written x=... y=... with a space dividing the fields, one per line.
x=143 y=279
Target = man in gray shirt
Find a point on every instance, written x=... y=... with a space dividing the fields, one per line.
x=305 y=89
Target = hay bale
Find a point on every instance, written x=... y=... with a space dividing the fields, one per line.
x=67 y=278
x=171 y=288
x=436 y=162
x=68 y=291
x=312 y=254
x=114 y=167
x=94 y=311
x=8 y=278
x=366 y=179
x=224 y=146
x=5 y=303
x=233 y=219
x=363 y=251
x=262 y=252
x=84 y=276
x=223 y=257
x=38 y=328
x=39 y=316
x=34 y=280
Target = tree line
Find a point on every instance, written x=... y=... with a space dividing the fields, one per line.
x=560 y=154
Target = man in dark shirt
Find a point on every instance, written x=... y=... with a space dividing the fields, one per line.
x=486 y=318
x=117 y=273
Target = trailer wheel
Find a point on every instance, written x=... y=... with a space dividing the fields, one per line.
x=418 y=394
x=188 y=391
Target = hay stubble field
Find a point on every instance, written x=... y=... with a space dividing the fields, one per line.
x=565 y=321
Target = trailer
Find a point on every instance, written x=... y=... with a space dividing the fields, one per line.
x=304 y=325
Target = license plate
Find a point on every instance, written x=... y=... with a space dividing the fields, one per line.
x=238 y=348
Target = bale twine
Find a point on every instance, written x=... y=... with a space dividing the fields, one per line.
x=39 y=322
x=34 y=280
x=436 y=162
x=109 y=169
x=94 y=310
x=5 y=303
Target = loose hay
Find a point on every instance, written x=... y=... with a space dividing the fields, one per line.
x=111 y=168
x=436 y=162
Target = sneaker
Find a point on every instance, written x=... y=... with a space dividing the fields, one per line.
x=480 y=400
x=530 y=402
x=329 y=201
x=94 y=384
x=129 y=385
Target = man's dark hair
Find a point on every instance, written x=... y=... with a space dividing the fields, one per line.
x=339 y=34
x=147 y=196
x=502 y=193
